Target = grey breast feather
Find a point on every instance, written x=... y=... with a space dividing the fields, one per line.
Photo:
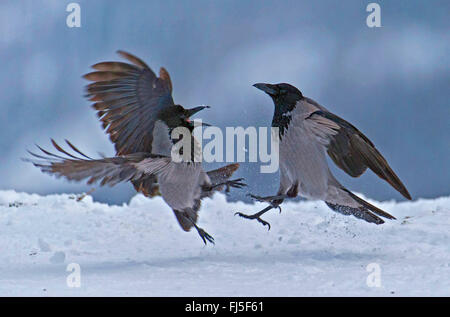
x=181 y=184
x=302 y=158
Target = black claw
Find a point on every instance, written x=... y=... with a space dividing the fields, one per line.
x=255 y=217
x=265 y=223
x=269 y=199
x=260 y=199
x=205 y=236
x=237 y=183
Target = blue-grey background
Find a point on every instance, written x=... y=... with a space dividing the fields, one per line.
x=391 y=82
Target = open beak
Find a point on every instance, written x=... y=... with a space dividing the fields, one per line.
x=203 y=123
x=192 y=111
x=267 y=88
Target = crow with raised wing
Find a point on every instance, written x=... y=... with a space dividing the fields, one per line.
x=138 y=112
x=306 y=132
x=134 y=106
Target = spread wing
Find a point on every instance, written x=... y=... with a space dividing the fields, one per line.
x=351 y=150
x=128 y=98
x=110 y=171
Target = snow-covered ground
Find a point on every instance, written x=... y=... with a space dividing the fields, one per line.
x=138 y=249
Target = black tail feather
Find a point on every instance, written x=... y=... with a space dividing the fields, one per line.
x=361 y=213
x=371 y=207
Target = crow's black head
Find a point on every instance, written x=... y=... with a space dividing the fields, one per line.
x=178 y=116
x=284 y=96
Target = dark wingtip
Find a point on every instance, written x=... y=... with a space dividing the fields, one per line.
x=395 y=182
x=379 y=221
x=407 y=195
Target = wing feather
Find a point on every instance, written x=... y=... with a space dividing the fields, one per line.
x=351 y=150
x=128 y=99
x=110 y=170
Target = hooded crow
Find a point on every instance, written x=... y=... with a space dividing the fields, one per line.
x=306 y=131
x=138 y=112
x=134 y=106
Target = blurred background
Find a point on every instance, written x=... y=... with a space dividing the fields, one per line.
x=391 y=82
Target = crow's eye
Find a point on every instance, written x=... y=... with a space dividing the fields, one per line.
x=283 y=92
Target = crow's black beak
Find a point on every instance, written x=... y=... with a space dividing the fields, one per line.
x=267 y=88
x=192 y=111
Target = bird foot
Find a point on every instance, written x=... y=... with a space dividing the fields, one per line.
x=235 y=183
x=274 y=201
x=256 y=216
x=205 y=236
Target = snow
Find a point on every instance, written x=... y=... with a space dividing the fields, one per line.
x=138 y=249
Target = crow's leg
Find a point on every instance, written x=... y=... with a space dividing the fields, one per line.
x=268 y=199
x=257 y=216
x=202 y=233
x=235 y=183
x=274 y=201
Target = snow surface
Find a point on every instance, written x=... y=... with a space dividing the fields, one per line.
x=138 y=249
